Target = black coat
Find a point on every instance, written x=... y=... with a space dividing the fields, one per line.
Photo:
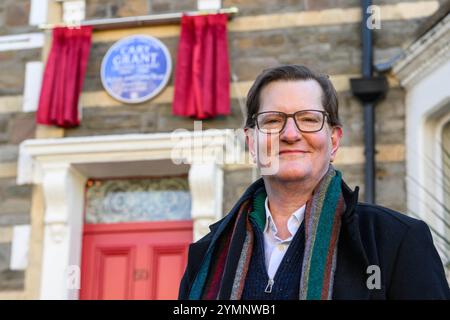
x=402 y=248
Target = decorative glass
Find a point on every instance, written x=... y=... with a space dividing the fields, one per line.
x=131 y=200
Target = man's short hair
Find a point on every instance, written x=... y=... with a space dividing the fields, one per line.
x=292 y=73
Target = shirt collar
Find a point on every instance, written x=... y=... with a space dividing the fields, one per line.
x=297 y=215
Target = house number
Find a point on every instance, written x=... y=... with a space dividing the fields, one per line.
x=140 y=274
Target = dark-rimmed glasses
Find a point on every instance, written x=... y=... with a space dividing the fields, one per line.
x=307 y=121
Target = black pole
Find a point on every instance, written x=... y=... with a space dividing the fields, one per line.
x=369 y=152
x=369 y=114
x=367 y=58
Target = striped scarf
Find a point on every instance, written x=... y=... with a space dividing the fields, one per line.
x=228 y=257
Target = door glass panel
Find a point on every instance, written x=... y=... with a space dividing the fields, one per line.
x=132 y=200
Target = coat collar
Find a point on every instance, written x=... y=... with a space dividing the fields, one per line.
x=350 y=220
x=251 y=190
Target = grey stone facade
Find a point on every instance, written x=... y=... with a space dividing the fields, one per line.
x=122 y=8
x=12 y=66
x=14 y=15
x=332 y=49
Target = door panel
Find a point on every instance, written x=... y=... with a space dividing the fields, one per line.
x=114 y=274
x=166 y=270
x=134 y=260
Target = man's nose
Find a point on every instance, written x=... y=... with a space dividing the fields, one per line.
x=290 y=131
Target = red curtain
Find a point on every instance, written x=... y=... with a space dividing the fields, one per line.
x=63 y=77
x=202 y=75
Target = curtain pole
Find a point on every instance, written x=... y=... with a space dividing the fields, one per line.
x=136 y=21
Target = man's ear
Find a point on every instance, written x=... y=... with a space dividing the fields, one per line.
x=250 y=140
x=336 y=135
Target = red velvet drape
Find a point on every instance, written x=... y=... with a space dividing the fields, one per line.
x=63 y=77
x=202 y=75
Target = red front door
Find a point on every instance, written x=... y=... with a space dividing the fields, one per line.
x=143 y=260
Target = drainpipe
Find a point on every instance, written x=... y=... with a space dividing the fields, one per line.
x=369 y=90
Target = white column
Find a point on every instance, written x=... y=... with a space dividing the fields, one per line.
x=209 y=4
x=19 y=247
x=63 y=189
x=33 y=81
x=74 y=11
x=206 y=185
x=38 y=12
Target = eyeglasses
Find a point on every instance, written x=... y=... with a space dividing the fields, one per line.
x=306 y=120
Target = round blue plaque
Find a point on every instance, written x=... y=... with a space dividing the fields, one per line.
x=136 y=68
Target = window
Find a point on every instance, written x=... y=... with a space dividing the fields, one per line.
x=132 y=200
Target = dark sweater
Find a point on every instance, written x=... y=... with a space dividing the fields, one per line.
x=286 y=283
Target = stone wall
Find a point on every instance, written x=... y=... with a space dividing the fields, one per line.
x=257 y=7
x=124 y=8
x=236 y=181
x=14 y=15
x=332 y=49
x=12 y=66
x=15 y=201
x=9 y=279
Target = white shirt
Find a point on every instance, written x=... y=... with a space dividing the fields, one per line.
x=274 y=247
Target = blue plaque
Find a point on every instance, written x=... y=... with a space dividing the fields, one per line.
x=136 y=68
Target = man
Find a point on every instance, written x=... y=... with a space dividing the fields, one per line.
x=299 y=232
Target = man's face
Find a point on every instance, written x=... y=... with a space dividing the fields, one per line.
x=297 y=155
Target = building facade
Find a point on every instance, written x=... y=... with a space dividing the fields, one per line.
x=48 y=175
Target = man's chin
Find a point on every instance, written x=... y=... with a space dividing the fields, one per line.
x=290 y=174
